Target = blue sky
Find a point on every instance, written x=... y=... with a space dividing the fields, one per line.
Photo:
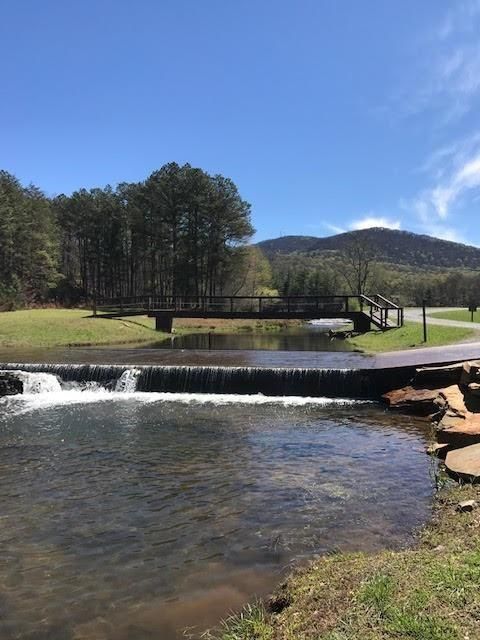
x=327 y=115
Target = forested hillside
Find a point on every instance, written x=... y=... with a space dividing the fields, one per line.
x=181 y=231
x=401 y=265
x=390 y=245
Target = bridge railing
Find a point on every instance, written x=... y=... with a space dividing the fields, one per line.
x=231 y=304
x=383 y=312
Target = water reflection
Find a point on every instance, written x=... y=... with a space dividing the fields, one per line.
x=131 y=520
x=308 y=345
x=298 y=339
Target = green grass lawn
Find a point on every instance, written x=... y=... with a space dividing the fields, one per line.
x=462 y=314
x=70 y=327
x=76 y=327
x=411 y=335
x=429 y=592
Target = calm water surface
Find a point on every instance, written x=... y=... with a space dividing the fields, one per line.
x=304 y=338
x=132 y=516
x=301 y=346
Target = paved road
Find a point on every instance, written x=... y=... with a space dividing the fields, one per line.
x=469 y=350
x=427 y=355
x=415 y=315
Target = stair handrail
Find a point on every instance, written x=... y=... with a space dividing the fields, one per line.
x=370 y=301
x=391 y=305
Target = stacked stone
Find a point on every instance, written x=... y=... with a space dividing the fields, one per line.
x=454 y=410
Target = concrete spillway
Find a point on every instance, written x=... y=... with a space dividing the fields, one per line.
x=277 y=381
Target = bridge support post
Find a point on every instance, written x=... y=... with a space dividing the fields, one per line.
x=164 y=322
x=361 y=323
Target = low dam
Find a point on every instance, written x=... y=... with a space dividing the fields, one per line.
x=273 y=381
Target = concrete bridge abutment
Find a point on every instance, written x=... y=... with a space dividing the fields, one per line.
x=361 y=323
x=164 y=322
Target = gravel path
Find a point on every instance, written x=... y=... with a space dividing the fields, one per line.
x=415 y=315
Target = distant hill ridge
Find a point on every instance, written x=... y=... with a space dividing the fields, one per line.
x=393 y=246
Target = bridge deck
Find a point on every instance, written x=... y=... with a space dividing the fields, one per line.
x=362 y=310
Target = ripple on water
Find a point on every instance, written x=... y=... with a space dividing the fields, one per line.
x=123 y=517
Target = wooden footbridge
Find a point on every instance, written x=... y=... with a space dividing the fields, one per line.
x=364 y=311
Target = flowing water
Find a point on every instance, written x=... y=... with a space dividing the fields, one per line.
x=133 y=515
x=270 y=381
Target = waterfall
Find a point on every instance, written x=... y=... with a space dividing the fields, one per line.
x=127 y=383
x=252 y=380
x=38 y=382
x=279 y=381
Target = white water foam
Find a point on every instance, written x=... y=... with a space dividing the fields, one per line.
x=31 y=402
x=127 y=383
x=325 y=322
x=38 y=383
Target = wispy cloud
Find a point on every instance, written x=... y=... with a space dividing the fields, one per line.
x=437 y=201
x=457 y=152
x=458 y=18
x=443 y=232
x=443 y=74
x=454 y=175
x=334 y=228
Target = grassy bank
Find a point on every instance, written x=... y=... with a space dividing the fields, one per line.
x=69 y=327
x=76 y=327
x=463 y=315
x=429 y=592
x=411 y=335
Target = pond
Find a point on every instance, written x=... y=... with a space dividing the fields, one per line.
x=135 y=515
x=308 y=337
x=308 y=345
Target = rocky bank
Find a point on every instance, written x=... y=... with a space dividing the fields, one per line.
x=450 y=397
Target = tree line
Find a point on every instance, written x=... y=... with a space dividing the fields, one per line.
x=179 y=232
x=359 y=271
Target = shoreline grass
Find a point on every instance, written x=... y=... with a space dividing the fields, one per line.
x=463 y=315
x=410 y=336
x=77 y=328
x=46 y=328
x=430 y=591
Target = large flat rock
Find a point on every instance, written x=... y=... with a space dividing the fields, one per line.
x=452 y=398
x=464 y=463
x=459 y=426
x=419 y=401
x=459 y=432
x=437 y=377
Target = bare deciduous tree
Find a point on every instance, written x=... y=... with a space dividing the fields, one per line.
x=358 y=265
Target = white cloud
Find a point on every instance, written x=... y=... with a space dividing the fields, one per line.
x=441 y=73
x=334 y=228
x=438 y=201
x=370 y=221
x=444 y=233
x=367 y=222
x=441 y=160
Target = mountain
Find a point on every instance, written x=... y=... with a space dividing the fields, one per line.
x=390 y=245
